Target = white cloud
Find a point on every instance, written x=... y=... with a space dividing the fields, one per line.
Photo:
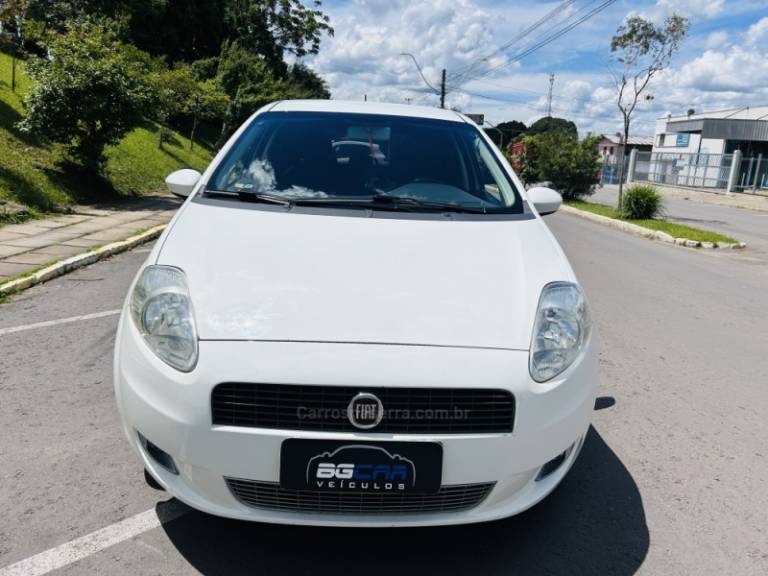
x=758 y=33
x=364 y=56
x=715 y=69
x=717 y=40
x=734 y=70
x=692 y=8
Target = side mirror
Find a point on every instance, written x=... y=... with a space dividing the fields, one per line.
x=546 y=200
x=182 y=182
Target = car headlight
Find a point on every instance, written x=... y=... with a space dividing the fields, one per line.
x=162 y=311
x=560 y=332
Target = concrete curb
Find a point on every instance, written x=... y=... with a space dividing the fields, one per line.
x=79 y=260
x=646 y=232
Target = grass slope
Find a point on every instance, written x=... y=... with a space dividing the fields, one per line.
x=31 y=172
x=673 y=229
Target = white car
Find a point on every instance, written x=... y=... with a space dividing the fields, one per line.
x=390 y=338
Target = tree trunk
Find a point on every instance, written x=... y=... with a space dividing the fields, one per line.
x=13 y=70
x=192 y=133
x=623 y=147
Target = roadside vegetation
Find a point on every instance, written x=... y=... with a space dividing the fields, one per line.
x=672 y=228
x=558 y=157
x=642 y=202
x=104 y=99
x=35 y=177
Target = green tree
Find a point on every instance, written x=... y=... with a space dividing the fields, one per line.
x=15 y=13
x=270 y=28
x=642 y=49
x=305 y=82
x=511 y=130
x=557 y=157
x=250 y=84
x=189 y=30
x=550 y=124
x=525 y=161
x=181 y=96
x=89 y=93
x=207 y=102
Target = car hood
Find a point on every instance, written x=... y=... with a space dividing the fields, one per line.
x=263 y=274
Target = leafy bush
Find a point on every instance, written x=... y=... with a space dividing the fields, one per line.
x=641 y=202
x=557 y=157
x=89 y=93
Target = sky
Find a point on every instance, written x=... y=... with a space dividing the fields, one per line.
x=722 y=63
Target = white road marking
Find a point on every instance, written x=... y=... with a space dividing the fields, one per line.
x=46 y=324
x=95 y=542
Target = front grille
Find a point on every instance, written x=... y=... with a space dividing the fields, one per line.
x=269 y=495
x=324 y=408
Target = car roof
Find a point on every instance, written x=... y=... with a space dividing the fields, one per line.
x=356 y=107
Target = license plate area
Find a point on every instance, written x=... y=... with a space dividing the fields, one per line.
x=361 y=466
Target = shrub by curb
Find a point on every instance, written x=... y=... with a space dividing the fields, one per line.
x=78 y=261
x=631 y=228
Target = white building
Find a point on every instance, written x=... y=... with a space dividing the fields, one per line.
x=719 y=132
x=722 y=149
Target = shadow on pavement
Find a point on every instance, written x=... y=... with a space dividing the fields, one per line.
x=594 y=523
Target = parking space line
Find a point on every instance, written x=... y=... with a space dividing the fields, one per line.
x=24 y=327
x=90 y=544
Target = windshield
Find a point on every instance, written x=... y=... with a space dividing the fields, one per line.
x=332 y=157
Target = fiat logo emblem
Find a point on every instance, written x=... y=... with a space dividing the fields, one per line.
x=365 y=411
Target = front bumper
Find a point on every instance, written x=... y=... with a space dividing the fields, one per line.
x=172 y=410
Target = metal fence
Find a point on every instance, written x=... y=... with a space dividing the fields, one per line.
x=693 y=170
x=753 y=175
x=609 y=173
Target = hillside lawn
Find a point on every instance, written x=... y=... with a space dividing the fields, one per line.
x=33 y=173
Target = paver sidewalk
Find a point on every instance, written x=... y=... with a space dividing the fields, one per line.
x=25 y=247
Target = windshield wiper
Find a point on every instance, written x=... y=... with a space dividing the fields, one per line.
x=386 y=202
x=253 y=197
x=377 y=201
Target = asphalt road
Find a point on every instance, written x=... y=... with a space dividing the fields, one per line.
x=673 y=478
x=748 y=226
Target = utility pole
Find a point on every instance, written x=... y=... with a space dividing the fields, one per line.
x=442 y=90
x=549 y=96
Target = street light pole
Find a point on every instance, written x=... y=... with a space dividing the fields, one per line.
x=501 y=134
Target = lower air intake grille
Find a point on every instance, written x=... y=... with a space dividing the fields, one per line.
x=269 y=495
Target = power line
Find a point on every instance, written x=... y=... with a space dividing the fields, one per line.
x=416 y=62
x=553 y=18
x=456 y=76
x=543 y=42
x=534 y=92
x=560 y=110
